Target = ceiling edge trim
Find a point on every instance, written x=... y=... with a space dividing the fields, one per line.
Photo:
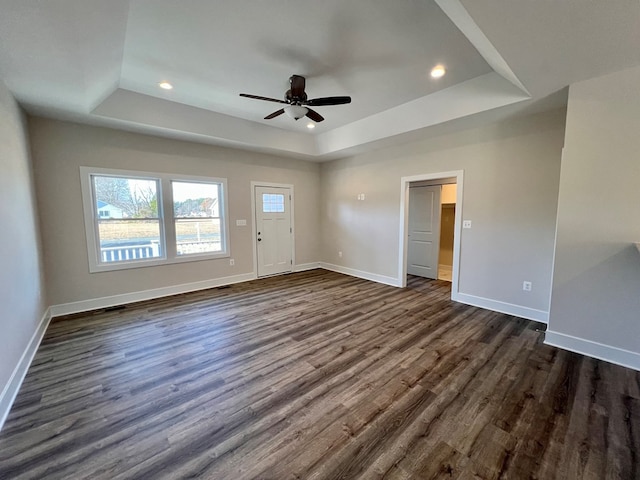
x=479 y=94
x=461 y=19
x=164 y=115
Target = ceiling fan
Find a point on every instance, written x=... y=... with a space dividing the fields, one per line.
x=297 y=103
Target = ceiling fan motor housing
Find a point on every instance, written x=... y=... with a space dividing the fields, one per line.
x=297 y=100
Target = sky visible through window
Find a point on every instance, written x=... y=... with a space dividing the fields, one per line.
x=185 y=191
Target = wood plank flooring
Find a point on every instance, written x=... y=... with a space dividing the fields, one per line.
x=317 y=375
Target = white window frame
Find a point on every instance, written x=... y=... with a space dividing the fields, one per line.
x=165 y=215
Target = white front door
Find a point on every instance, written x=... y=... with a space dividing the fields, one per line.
x=424 y=231
x=273 y=230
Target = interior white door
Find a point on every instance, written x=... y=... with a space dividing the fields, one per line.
x=424 y=231
x=273 y=229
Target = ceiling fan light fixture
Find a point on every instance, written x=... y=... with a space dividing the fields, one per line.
x=296 y=102
x=295 y=111
x=311 y=125
x=438 y=71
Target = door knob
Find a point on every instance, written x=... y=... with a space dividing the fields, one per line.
x=259 y=239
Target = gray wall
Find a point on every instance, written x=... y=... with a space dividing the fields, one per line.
x=511 y=176
x=60 y=148
x=22 y=296
x=596 y=283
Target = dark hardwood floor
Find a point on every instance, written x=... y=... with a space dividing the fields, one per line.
x=317 y=375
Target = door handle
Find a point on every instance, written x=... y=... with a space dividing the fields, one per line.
x=259 y=239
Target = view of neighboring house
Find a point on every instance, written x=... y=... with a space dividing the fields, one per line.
x=106 y=210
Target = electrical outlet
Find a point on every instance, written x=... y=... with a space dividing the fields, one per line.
x=526 y=286
x=232 y=262
x=466 y=224
x=340 y=254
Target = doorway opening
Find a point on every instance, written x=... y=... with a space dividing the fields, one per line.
x=447 y=231
x=430 y=227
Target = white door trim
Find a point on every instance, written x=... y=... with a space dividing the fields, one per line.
x=255 y=184
x=404 y=225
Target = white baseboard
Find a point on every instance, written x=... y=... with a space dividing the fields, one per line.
x=303 y=267
x=374 y=277
x=502 y=307
x=494 y=305
x=10 y=391
x=115 y=300
x=597 y=350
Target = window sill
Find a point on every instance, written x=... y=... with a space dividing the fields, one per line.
x=110 y=267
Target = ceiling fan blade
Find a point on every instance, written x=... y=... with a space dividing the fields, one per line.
x=274 y=114
x=324 y=101
x=297 y=86
x=315 y=116
x=257 y=97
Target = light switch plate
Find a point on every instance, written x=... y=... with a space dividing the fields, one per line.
x=241 y=223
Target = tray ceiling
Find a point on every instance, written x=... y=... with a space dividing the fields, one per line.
x=101 y=62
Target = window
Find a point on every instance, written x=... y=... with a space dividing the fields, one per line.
x=272 y=203
x=136 y=219
x=128 y=227
x=196 y=212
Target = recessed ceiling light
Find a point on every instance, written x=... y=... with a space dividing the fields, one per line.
x=438 y=71
x=311 y=126
x=165 y=85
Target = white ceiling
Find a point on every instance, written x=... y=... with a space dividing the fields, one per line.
x=100 y=63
